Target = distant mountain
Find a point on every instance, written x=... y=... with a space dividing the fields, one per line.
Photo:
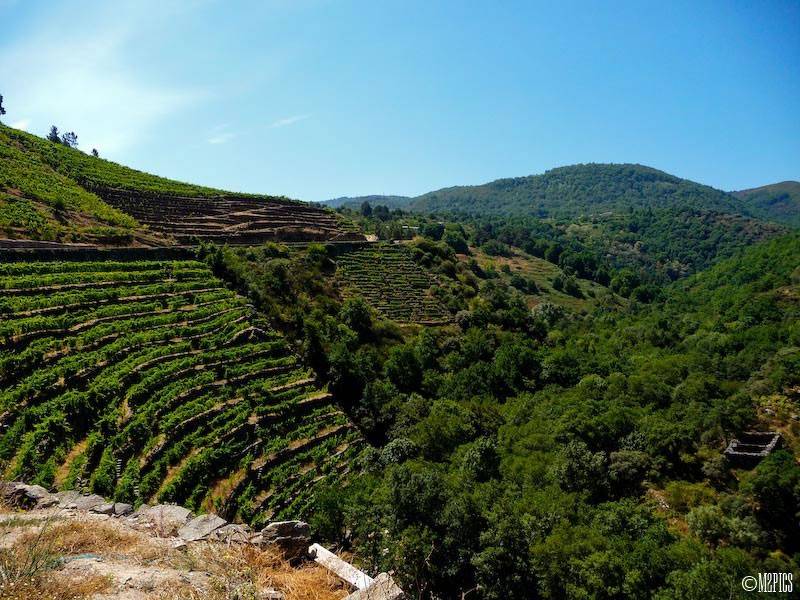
x=778 y=202
x=579 y=191
x=355 y=202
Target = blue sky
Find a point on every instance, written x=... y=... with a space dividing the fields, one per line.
x=322 y=98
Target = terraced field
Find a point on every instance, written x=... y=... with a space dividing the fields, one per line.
x=150 y=381
x=53 y=194
x=229 y=219
x=387 y=277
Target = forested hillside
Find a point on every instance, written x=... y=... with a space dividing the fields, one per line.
x=569 y=457
x=779 y=202
x=630 y=215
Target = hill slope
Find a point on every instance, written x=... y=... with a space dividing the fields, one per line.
x=51 y=192
x=579 y=190
x=778 y=202
x=631 y=213
x=150 y=381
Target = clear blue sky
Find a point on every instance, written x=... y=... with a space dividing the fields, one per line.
x=322 y=98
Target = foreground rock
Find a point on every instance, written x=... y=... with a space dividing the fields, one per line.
x=166 y=519
x=291 y=537
x=201 y=527
x=20 y=495
x=174 y=529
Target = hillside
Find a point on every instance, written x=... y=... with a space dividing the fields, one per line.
x=579 y=191
x=779 y=202
x=387 y=277
x=54 y=193
x=150 y=381
x=567 y=456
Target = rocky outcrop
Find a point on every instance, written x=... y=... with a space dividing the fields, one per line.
x=20 y=495
x=292 y=537
x=165 y=520
x=201 y=527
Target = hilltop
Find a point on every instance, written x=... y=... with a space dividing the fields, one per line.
x=579 y=191
x=50 y=192
x=779 y=202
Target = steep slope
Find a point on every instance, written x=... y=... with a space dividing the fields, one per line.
x=778 y=202
x=54 y=193
x=150 y=381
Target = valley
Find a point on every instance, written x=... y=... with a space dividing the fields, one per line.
x=539 y=372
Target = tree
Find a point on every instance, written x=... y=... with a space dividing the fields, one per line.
x=95 y=153
x=357 y=315
x=366 y=209
x=70 y=139
x=381 y=212
x=54 y=136
x=2 y=110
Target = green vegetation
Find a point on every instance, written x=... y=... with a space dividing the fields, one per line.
x=582 y=457
x=53 y=192
x=579 y=190
x=779 y=202
x=149 y=381
x=387 y=278
x=632 y=216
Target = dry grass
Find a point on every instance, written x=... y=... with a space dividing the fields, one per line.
x=30 y=565
x=242 y=571
x=53 y=586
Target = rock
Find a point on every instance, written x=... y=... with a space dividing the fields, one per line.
x=201 y=527
x=271 y=595
x=382 y=588
x=122 y=509
x=88 y=502
x=20 y=495
x=233 y=534
x=103 y=509
x=166 y=518
x=143 y=508
x=290 y=537
x=66 y=499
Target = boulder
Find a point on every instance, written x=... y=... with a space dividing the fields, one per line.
x=121 y=509
x=233 y=534
x=200 y=527
x=103 y=509
x=20 y=495
x=382 y=588
x=292 y=538
x=87 y=502
x=166 y=518
x=66 y=499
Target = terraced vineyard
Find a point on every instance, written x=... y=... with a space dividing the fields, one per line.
x=388 y=278
x=231 y=219
x=149 y=381
x=53 y=194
